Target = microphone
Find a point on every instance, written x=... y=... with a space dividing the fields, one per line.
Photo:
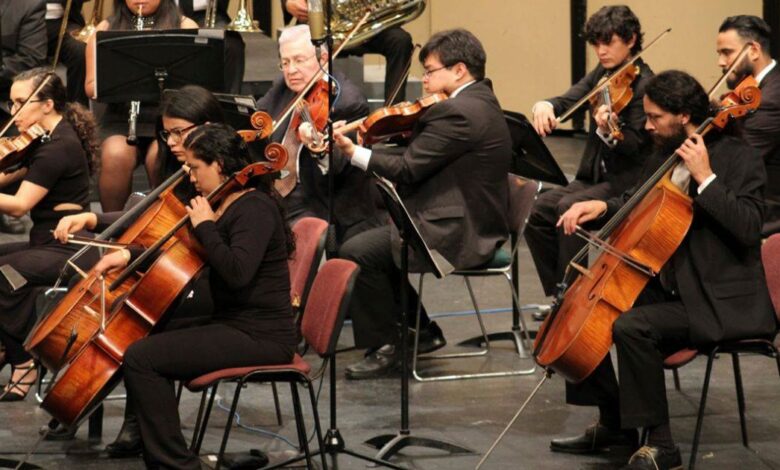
x=317 y=25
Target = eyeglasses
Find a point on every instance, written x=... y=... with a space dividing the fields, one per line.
x=12 y=105
x=297 y=61
x=428 y=73
x=177 y=134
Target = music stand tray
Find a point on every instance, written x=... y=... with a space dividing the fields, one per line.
x=138 y=65
x=390 y=444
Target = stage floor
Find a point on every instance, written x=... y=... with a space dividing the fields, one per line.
x=470 y=412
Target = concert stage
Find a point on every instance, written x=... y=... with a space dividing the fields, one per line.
x=471 y=412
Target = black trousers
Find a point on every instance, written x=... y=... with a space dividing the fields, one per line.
x=550 y=248
x=643 y=337
x=395 y=45
x=375 y=307
x=72 y=55
x=153 y=363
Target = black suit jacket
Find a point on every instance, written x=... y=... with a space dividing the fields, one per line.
x=353 y=200
x=621 y=165
x=23 y=30
x=718 y=267
x=452 y=177
x=762 y=131
x=75 y=15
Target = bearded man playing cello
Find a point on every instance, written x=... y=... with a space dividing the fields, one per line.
x=712 y=288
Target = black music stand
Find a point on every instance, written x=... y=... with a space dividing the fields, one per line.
x=139 y=65
x=390 y=444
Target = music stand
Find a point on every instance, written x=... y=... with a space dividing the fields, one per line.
x=139 y=65
x=238 y=109
x=390 y=444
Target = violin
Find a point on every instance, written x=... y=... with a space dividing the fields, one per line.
x=13 y=150
x=616 y=96
x=313 y=110
x=391 y=121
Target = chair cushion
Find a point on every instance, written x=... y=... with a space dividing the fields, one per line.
x=501 y=259
x=680 y=358
x=206 y=380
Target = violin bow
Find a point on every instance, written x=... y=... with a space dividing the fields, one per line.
x=728 y=71
x=397 y=88
x=606 y=82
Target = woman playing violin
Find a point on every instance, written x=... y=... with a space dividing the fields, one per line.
x=247 y=243
x=53 y=182
x=117 y=158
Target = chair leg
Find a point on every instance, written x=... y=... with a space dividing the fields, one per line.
x=179 y=390
x=229 y=424
x=702 y=406
x=524 y=346
x=279 y=421
x=300 y=424
x=198 y=419
x=478 y=313
x=417 y=328
x=206 y=417
x=317 y=427
x=676 y=377
x=740 y=397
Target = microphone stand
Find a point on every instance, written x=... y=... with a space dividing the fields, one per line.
x=330 y=241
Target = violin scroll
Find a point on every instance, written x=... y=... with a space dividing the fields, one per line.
x=743 y=100
x=264 y=124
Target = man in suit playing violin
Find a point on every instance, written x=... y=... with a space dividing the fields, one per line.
x=608 y=166
x=453 y=180
x=354 y=208
x=712 y=288
x=761 y=129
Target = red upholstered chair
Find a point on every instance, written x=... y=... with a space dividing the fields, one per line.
x=770 y=256
x=324 y=316
x=309 y=245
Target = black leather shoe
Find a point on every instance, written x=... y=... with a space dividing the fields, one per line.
x=655 y=458
x=128 y=443
x=431 y=338
x=376 y=364
x=597 y=438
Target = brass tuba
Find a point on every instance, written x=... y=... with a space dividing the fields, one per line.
x=385 y=14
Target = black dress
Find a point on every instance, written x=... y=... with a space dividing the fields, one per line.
x=59 y=165
x=252 y=325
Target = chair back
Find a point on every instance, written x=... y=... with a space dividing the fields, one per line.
x=327 y=305
x=522 y=196
x=309 y=246
x=770 y=256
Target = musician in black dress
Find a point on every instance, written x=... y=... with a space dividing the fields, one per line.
x=247 y=244
x=117 y=158
x=54 y=181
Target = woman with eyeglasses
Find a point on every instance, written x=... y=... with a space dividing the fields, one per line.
x=182 y=111
x=53 y=181
x=118 y=159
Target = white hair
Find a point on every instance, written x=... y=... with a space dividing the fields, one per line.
x=295 y=33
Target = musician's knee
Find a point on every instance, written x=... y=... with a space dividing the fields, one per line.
x=115 y=153
x=626 y=327
x=136 y=357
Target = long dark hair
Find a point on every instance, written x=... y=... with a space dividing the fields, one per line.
x=191 y=103
x=220 y=143
x=78 y=116
x=167 y=16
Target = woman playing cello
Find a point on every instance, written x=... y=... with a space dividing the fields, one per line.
x=54 y=182
x=250 y=284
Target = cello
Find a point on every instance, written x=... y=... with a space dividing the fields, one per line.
x=636 y=243
x=92 y=327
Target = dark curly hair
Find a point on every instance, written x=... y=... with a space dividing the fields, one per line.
x=217 y=142
x=78 y=116
x=679 y=93
x=614 y=19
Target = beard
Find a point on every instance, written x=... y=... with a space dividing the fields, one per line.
x=740 y=72
x=666 y=145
